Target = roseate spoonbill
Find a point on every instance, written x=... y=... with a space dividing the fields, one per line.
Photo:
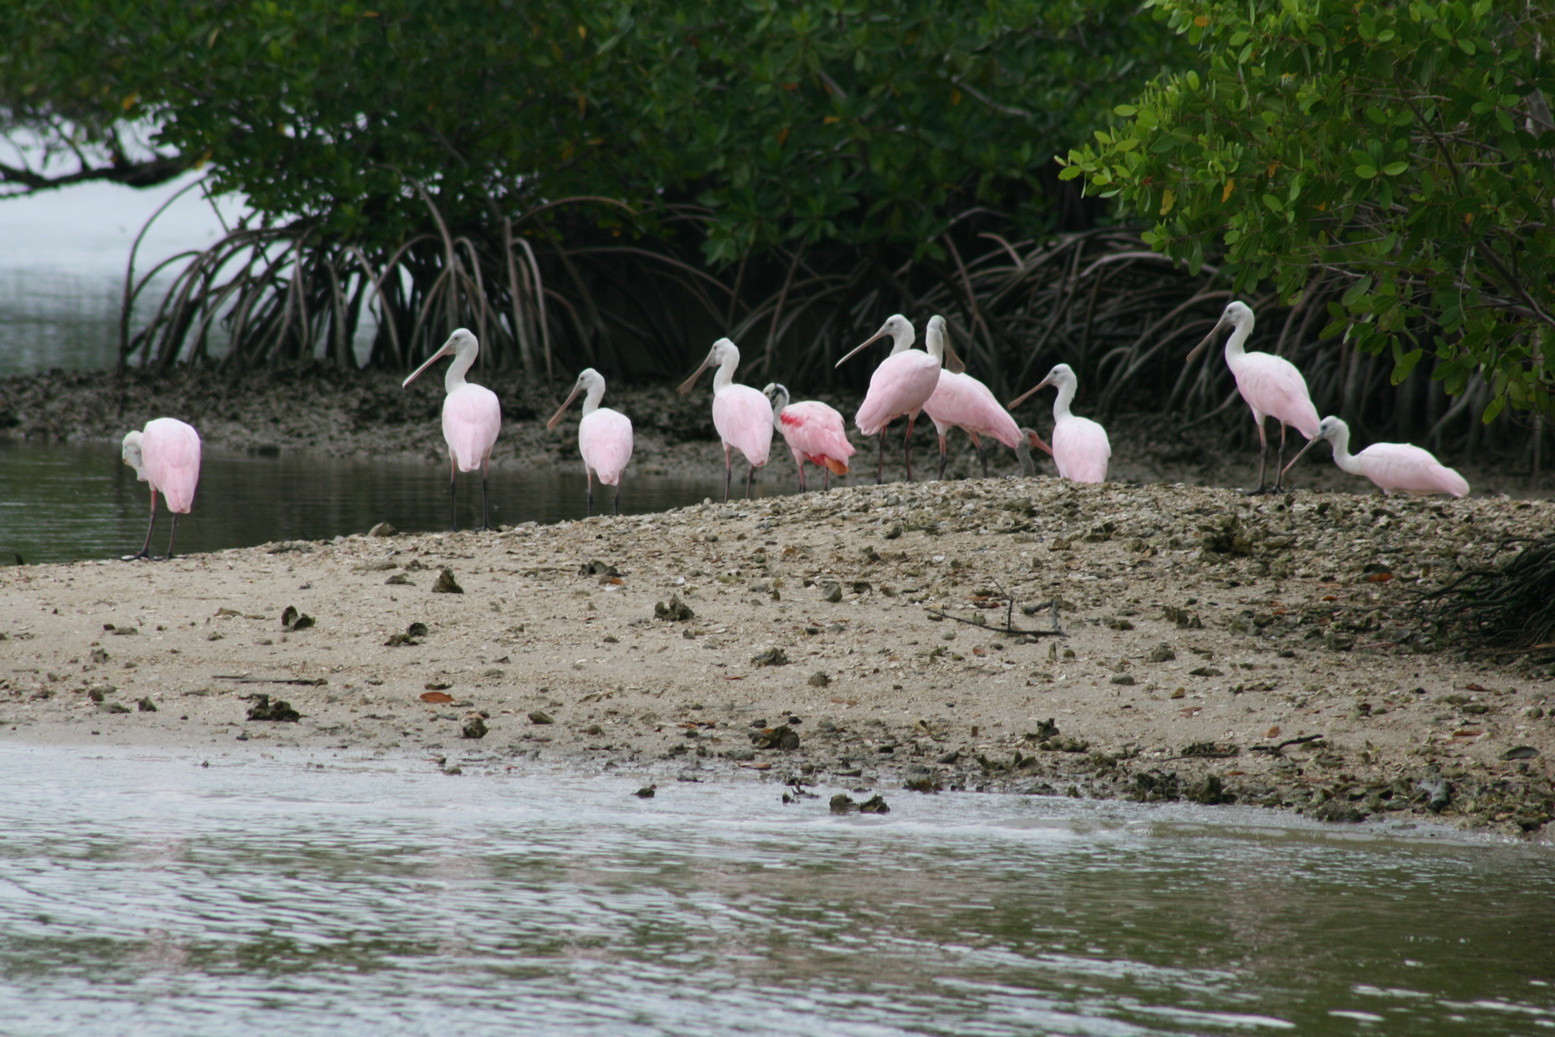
x=742 y=416
x=472 y=417
x=1271 y=385
x=604 y=436
x=814 y=432
x=1029 y=439
x=1080 y=447
x=961 y=401
x=900 y=386
x=1394 y=467
x=166 y=456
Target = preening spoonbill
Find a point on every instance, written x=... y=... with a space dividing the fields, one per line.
x=472 y=417
x=1029 y=439
x=742 y=416
x=961 y=401
x=1394 y=467
x=604 y=436
x=900 y=386
x=813 y=431
x=166 y=456
x=1270 y=384
x=1080 y=447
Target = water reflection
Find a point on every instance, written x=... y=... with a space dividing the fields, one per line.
x=159 y=896
x=63 y=502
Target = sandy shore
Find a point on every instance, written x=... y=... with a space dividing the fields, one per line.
x=1214 y=647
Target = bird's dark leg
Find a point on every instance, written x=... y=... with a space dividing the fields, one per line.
x=588 y=500
x=942 y=457
x=728 y=471
x=907 y=444
x=145 y=548
x=1279 y=467
x=750 y=477
x=880 y=457
x=1263 y=460
x=485 y=511
x=170 y=537
x=982 y=455
x=825 y=478
x=453 y=507
x=616 y=508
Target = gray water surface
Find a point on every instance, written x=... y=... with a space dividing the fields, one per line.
x=62 y=502
x=298 y=893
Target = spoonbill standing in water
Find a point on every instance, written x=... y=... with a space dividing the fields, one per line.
x=814 y=431
x=961 y=401
x=742 y=416
x=472 y=417
x=1394 y=467
x=166 y=456
x=901 y=385
x=604 y=436
x=1271 y=385
x=1080 y=447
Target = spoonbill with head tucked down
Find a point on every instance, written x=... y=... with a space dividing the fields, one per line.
x=472 y=417
x=1271 y=385
x=1394 y=467
x=742 y=416
x=961 y=401
x=901 y=385
x=814 y=431
x=604 y=436
x=1029 y=439
x=1080 y=447
x=166 y=456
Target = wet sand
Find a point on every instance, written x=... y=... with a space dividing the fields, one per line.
x=896 y=638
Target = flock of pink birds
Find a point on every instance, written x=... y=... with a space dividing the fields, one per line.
x=910 y=381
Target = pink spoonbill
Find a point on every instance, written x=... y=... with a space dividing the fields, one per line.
x=472 y=417
x=814 y=432
x=1271 y=385
x=742 y=416
x=1080 y=447
x=604 y=436
x=900 y=386
x=166 y=456
x=1394 y=467
x=961 y=401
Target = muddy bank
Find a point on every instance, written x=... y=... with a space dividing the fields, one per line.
x=1213 y=647
x=364 y=414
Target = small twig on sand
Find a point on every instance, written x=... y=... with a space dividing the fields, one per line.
x=1009 y=625
x=315 y=681
x=1281 y=745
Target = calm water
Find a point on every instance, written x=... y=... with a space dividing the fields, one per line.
x=62 y=502
x=143 y=893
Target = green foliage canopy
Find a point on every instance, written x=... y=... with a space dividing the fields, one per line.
x=1397 y=155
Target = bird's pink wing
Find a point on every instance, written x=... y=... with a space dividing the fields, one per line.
x=472 y=417
x=1272 y=385
x=1081 y=450
x=171 y=453
x=743 y=418
x=605 y=441
x=900 y=385
x=967 y=403
x=815 y=432
x=1406 y=468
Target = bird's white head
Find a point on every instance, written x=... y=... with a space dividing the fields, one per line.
x=777 y=394
x=896 y=326
x=724 y=351
x=131 y=454
x=1331 y=428
x=1237 y=316
x=461 y=344
x=588 y=378
x=1060 y=376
